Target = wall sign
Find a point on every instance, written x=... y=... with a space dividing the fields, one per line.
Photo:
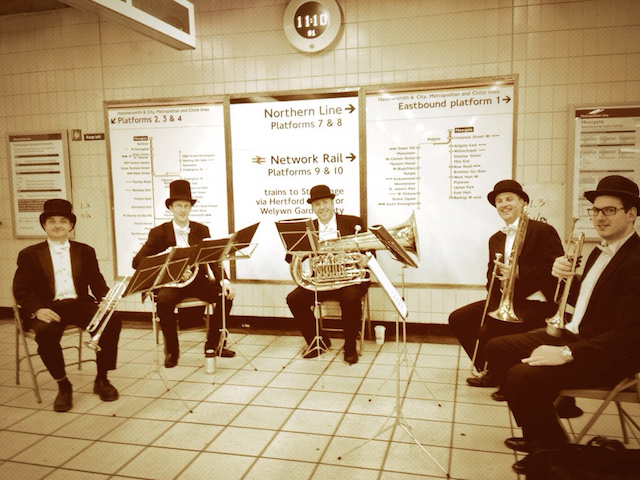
x=152 y=145
x=39 y=172
x=606 y=142
x=312 y=26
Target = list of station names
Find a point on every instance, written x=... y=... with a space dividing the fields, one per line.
x=151 y=147
x=437 y=154
x=282 y=149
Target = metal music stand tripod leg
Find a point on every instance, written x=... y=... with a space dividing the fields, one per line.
x=157 y=367
x=224 y=333
x=397 y=414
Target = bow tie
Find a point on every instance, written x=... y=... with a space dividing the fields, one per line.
x=60 y=248
x=508 y=228
x=606 y=249
x=182 y=230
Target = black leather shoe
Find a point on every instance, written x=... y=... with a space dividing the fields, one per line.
x=171 y=360
x=498 y=396
x=521 y=466
x=226 y=353
x=64 y=400
x=351 y=357
x=107 y=392
x=517 y=443
x=484 y=379
x=567 y=408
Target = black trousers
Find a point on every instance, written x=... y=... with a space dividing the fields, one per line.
x=201 y=288
x=465 y=325
x=301 y=302
x=80 y=313
x=531 y=391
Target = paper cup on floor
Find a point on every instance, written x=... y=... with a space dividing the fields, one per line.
x=380 y=329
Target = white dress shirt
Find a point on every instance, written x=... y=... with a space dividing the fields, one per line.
x=590 y=279
x=61 y=259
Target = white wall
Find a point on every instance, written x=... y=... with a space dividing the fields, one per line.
x=57 y=68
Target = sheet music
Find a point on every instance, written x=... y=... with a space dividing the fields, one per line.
x=388 y=287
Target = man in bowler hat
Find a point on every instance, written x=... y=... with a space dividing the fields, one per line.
x=182 y=232
x=534 y=285
x=599 y=343
x=330 y=225
x=51 y=286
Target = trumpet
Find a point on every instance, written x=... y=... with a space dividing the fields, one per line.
x=102 y=316
x=555 y=324
x=505 y=311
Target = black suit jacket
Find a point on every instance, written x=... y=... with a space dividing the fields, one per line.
x=610 y=328
x=163 y=236
x=34 y=280
x=542 y=245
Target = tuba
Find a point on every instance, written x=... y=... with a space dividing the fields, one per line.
x=505 y=311
x=555 y=324
x=336 y=263
x=102 y=316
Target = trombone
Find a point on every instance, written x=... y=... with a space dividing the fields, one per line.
x=101 y=318
x=555 y=324
x=505 y=311
x=494 y=273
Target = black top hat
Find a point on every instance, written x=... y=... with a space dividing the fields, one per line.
x=507 y=186
x=616 y=186
x=179 y=190
x=57 y=207
x=319 y=192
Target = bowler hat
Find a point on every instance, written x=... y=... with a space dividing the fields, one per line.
x=319 y=192
x=616 y=186
x=57 y=207
x=179 y=190
x=507 y=186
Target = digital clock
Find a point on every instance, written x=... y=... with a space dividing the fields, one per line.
x=312 y=25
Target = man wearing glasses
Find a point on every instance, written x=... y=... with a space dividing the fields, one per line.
x=599 y=344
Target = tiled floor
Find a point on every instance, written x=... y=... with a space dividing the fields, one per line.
x=265 y=414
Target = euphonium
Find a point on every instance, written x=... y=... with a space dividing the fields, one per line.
x=555 y=324
x=336 y=263
x=505 y=311
x=102 y=316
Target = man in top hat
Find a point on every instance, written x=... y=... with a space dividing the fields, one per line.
x=330 y=225
x=599 y=344
x=534 y=286
x=182 y=232
x=51 y=287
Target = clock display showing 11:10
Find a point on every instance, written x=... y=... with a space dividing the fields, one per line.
x=311 y=20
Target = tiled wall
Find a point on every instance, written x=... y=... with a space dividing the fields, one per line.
x=57 y=68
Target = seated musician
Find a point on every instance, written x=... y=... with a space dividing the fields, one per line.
x=599 y=345
x=182 y=232
x=51 y=287
x=534 y=285
x=330 y=225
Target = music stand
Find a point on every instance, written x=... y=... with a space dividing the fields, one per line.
x=299 y=237
x=402 y=312
x=156 y=271
x=218 y=251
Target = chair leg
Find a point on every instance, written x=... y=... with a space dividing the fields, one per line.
x=27 y=357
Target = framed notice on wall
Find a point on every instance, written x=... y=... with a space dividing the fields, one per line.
x=39 y=171
x=152 y=145
x=606 y=142
x=435 y=153
x=281 y=147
